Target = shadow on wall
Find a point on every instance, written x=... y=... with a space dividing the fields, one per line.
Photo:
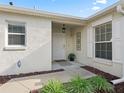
x=38 y=60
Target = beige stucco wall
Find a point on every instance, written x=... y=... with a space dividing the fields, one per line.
x=36 y=56
x=87 y=55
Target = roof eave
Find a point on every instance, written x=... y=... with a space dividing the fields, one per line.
x=103 y=12
x=39 y=13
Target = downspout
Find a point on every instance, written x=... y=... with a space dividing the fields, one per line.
x=117 y=81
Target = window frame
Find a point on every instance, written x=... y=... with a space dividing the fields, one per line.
x=99 y=42
x=7 y=33
x=78 y=46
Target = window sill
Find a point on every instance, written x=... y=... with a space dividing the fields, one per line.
x=18 y=48
x=103 y=61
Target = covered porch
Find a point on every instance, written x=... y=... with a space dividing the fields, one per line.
x=66 y=38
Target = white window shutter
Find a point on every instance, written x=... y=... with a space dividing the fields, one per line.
x=90 y=42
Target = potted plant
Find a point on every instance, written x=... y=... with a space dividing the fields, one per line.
x=71 y=57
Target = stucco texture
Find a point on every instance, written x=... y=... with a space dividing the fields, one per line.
x=37 y=54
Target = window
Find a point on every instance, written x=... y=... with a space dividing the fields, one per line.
x=16 y=34
x=103 y=43
x=78 y=41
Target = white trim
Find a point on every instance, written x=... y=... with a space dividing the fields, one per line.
x=16 y=33
x=15 y=47
x=94 y=54
x=100 y=60
x=6 y=34
x=90 y=42
x=55 y=17
x=15 y=23
x=37 y=12
x=102 y=21
x=104 y=41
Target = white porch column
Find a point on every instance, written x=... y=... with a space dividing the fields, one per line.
x=90 y=42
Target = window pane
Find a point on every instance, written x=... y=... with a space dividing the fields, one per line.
x=16 y=39
x=109 y=27
x=103 y=46
x=98 y=38
x=10 y=28
x=78 y=41
x=104 y=50
x=108 y=36
x=109 y=55
x=98 y=47
x=103 y=33
x=98 y=54
x=102 y=37
x=109 y=46
x=16 y=29
x=103 y=54
x=97 y=30
x=102 y=29
x=97 y=33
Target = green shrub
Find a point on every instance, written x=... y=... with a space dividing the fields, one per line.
x=101 y=84
x=79 y=85
x=53 y=87
x=95 y=84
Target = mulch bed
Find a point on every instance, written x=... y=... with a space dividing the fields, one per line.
x=119 y=87
x=4 y=79
x=108 y=76
x=34 y=91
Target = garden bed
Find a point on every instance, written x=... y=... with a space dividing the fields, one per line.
x=4 y=79
x=119 y=88
x=108 y=76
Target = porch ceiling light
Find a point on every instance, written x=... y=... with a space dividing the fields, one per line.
x=63 y=28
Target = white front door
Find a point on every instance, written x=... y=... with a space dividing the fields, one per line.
x=59 y=43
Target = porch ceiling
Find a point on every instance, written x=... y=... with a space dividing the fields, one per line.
x=74 y=22
x=68 y=24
